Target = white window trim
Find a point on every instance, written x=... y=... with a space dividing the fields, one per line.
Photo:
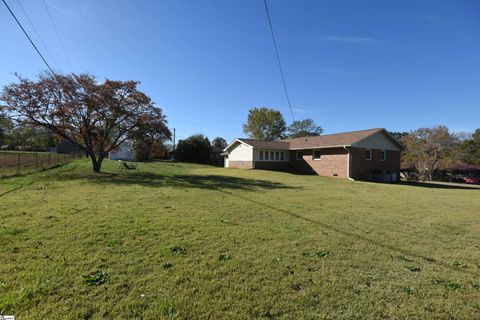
x=313 y=155
x=384 y=155
x=369 y=158
x=268 y=153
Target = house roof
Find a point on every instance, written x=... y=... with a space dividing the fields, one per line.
x=346 y=139
x=264 y=144
x=331 y=140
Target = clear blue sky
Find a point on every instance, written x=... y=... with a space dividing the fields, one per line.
x=349 y=64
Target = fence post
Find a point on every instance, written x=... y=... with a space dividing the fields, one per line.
x=36 y=161
x=49 y=155
x=18 y=163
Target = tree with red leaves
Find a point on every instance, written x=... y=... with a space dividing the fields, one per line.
x=97 y=117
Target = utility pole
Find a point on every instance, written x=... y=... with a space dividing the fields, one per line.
x=173 y=153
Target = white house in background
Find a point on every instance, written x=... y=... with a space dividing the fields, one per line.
x=125 y=152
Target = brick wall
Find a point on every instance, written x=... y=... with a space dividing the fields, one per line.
x=333 y=162
x=240 y=164
x=273 y=165
x=375 y=169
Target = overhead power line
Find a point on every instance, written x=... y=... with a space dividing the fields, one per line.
x=36 y=32
x=278 y=59
x=28 y=37
x=58 y=36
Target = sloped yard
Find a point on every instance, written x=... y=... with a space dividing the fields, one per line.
x=195 y=242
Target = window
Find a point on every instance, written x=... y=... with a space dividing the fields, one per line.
x=261 y=155
x=272 y=155
x=299 y=155
x=277 y=155
x=368 y=154
x=384 y=155
x=317 y=155
x=266 y=155
x=282 y=156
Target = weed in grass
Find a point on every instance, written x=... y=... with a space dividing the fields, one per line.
x=320 y=254
x=475 y=285
x=113 y=242
x=405 y=258
x=11 y=230
x=268 y=314
x=167 y=265
x=96 y=278
x=169 y=311
x=176 y=249
x=460 y=264
x=449 y=284
x=296 y=286
x=409 y=290
x=452 y=285
x=224 y=257
x=324 y=253
x=312 y=269
x=414 y=269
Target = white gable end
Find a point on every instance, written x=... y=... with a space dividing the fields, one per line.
x=240 y=152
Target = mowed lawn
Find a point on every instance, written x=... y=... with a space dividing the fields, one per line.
x=182 y=241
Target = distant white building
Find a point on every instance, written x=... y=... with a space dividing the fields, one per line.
x=125 y=152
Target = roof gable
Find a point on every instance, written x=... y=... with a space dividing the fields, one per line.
x=379 y=140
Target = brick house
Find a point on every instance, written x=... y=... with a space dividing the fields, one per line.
x=372 y=155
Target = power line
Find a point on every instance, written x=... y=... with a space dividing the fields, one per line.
x=278 y=59
x=28 y=37
x=36 y=32
x=58 y=36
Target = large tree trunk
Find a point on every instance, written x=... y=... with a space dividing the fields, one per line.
x=96 y=162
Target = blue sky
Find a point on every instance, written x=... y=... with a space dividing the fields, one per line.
x=349 y=64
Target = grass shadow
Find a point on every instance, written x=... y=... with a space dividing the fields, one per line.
x=438 y=185
x=149 y=179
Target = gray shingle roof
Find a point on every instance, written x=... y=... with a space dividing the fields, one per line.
x=264 y=144
x=323 y=141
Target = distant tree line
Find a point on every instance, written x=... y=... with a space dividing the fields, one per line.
x=198 y=148
x=25 y=137
x=431 y=150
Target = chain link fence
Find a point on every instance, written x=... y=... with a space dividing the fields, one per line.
x=16 y=163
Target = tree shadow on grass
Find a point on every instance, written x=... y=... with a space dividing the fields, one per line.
x=149 y=179
x=355 y=235
x=438 y=185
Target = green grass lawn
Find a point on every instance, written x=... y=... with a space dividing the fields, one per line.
x=196 y=242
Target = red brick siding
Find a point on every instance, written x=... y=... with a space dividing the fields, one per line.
x=240 y=164
x=333 y=162
x=361 y=168
x=272 y=165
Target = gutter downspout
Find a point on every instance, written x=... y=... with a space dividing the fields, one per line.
x=348 y=164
